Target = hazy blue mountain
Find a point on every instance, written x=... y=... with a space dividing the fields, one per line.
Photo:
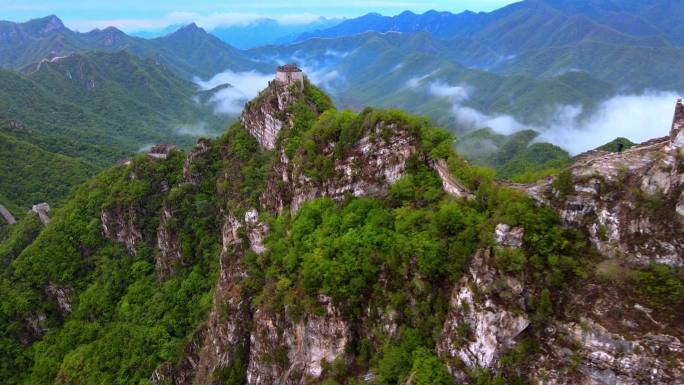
x=189 y=52
x=268 y=31
x=440 y=24
x=534 y=24
x=622 y=43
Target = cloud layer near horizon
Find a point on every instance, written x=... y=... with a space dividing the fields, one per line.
x=636 y=117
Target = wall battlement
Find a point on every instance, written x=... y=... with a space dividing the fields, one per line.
x=677 y=131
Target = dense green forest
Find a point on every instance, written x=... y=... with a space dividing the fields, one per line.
x=75 y=116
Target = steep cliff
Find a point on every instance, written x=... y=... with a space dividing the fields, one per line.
x=310 y=245
x=631 y=203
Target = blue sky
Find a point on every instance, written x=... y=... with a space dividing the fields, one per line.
x=132 y=15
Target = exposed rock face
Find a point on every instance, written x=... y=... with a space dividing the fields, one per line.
x=300 y=346
x=479 y=327
x=228 y=325
x=119 y=225
x=630 y=203
x=183 y=372
x=612 y=343
x=43 y=210
x=51 y=23
x=169 y=246
x=504 y=235
x=256 y=231
x=61 y=296
x=368 y=168
x=7 y=216
x=265 y=117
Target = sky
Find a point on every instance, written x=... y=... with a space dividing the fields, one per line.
x=136 y=15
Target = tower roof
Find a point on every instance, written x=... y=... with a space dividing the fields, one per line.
x=289 y=68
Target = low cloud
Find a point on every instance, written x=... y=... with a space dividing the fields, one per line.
x=456 y=93
x=146 y=147
x=197 y=129
x=636 y=117
x=318 y=69
x=417 y=82
x=337 y=54
x=243 y=87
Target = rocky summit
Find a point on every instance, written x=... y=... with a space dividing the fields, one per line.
x=309 y=245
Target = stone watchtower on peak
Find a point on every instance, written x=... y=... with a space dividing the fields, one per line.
x=290 y=74
x=677 y=131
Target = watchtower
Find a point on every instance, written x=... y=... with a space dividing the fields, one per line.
x=290 y=74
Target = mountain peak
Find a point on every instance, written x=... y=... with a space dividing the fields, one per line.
x=192 y=27
x=45 y=24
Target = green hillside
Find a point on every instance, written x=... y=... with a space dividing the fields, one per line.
x=77 y=115
x=514 y=157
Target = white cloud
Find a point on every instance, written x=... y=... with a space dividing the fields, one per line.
x=337 y=54
x=456 y=93
x=197 y=129
x=244 y=87
x=417 y=81
x=636 y=117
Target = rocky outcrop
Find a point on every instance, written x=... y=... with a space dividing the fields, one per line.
x=506 y=236
x=285 y=352
x=224 y=340
x=265 y=116
x=256 y=231
x=61 y=296
x=613 y=342
x=119 y=225
x=43 y=211
x=168 y=245
x=480 y=326
x=184 y=371
x=7 y=216
x=367 y=168
x=228 y=324
x=630 y=203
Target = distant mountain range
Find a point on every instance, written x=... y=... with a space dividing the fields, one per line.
x=632 y=44
x=189 y=52
x=268 y=32
x=510 y=28
x=259 y=32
